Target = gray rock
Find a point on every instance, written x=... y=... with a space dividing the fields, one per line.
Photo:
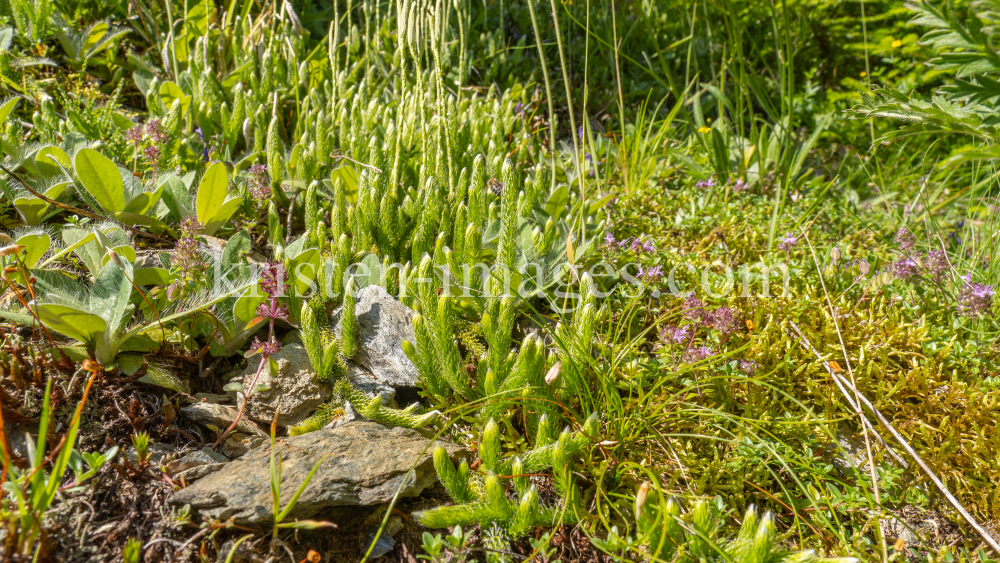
x=364 y=381
x=293 y=393
x=204 y=456
x=238 y=444
x=195 y=473
x=220 y=416
x=366 y=464
x=382 y=325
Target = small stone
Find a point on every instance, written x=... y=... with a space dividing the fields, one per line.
x=238 y=444
x=382 y=324
x=364 y=381
x=195 y=473
x=204 y=456
x=294 y=393
x=219 y=416
x=364 y=464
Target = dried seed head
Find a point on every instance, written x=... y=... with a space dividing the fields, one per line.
x=115 y=258
x=640 y=497
x=553 y=373
x=864 y=268
x=12 y=249
x=835 y=255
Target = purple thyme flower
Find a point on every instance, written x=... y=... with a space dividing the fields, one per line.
x=693 y=308
x=725 y=320
x=936 y=263
x=905 y=239
x=134 y=135
x=788 y=242
x=740 y=185
x=975 y=299
x=152 y=153
x=904 y=268
x=266 y=349
x=648 y=247
x=655 y=273
x=698 y=354
x=273 y=280
x=636 y=245
x=609 y=239
x=748 y=367
x=518 y=108
x=678 y=334
x=705 y=183
x=273 y=310
x=154 y=130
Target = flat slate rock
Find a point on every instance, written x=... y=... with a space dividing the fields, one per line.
x=366 y=464
x=382 y=325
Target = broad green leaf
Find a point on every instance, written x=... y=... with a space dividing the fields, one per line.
x=222 y=215
x=304 y=269
x=74 y=323
x=51 y=160
x=238 y=245
x=212 y=192
x=170 y=92
x=31 y=209
x=245 y=309
x=162 y=377
x=102 y=180
x=8 y=107
x=125 y=252
x=197 y=14
x=143 y=202
x=142 y=78
x=35 y=246
x=176 y=196
x=350 y=178
x=557 y=201
x=133 y=219
x=129 y=363
x=110 y=294
x=153 y=276
x=599 y=203
x=121 y=121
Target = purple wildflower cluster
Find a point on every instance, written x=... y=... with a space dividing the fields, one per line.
x=634 y=244
x=696 y=354
x=725 y=320
x=788 y=243
x=705 y=183
x=905 y=268
x=650 y=274
x=975 y=299
x=152 y=154
x=187 y=260
x=905 y=240
x=740 y=185
x=748 y=367
x=693 y=308
x=154 y=130
x=678 y=334
x=936 y=263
